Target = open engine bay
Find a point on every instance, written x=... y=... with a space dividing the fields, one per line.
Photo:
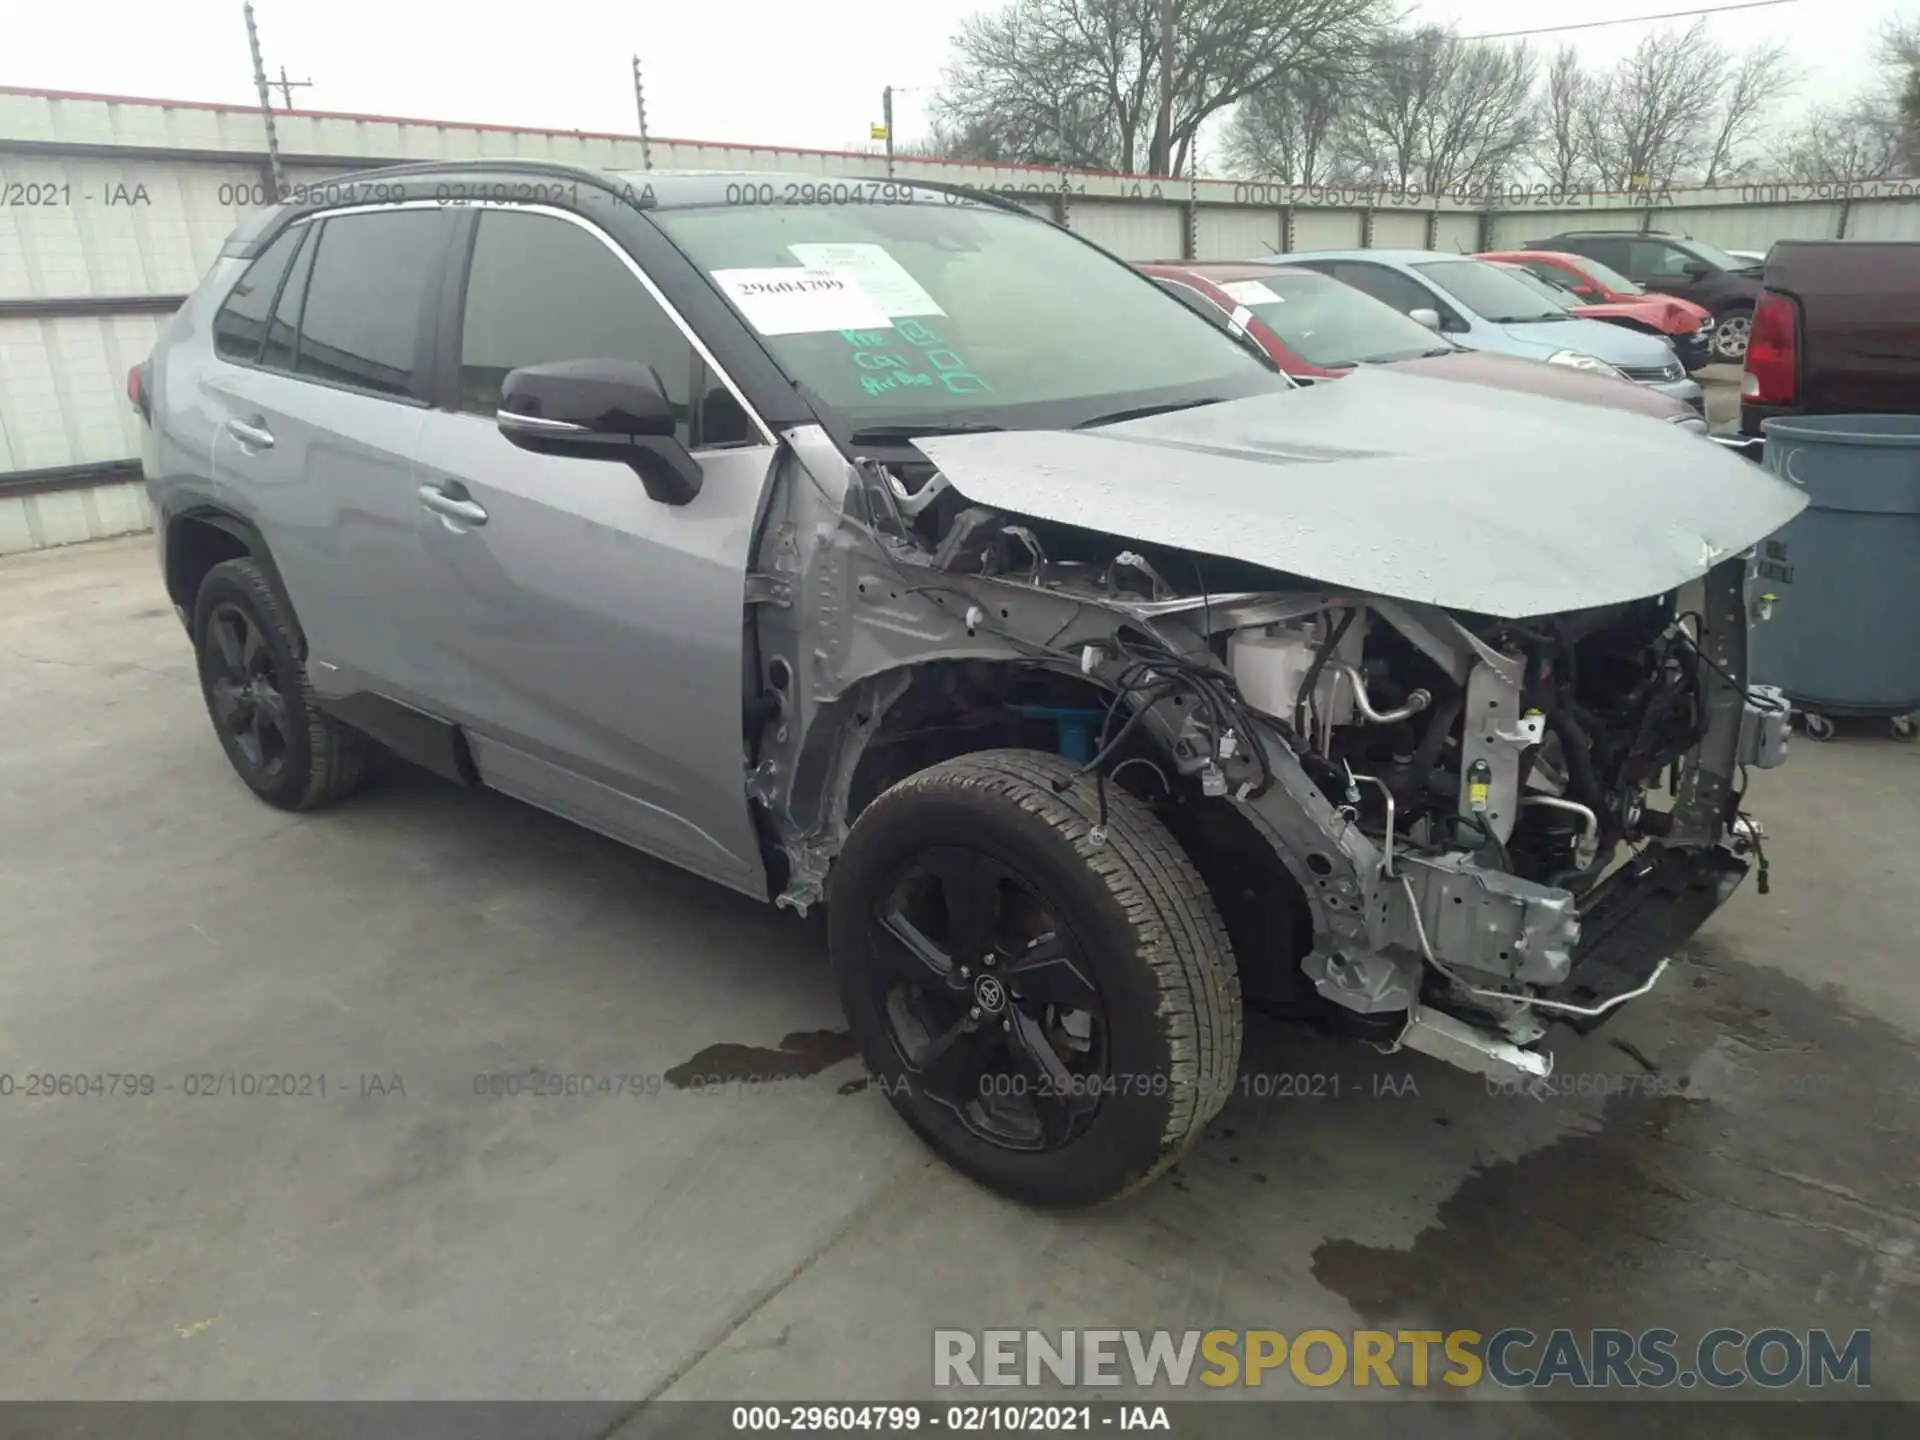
x=1487 y=822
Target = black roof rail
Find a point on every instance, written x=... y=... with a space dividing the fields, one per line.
x=475 y=162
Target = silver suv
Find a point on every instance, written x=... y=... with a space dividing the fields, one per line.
x=882 y=544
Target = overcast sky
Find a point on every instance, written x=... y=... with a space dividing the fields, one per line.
x=798 y=72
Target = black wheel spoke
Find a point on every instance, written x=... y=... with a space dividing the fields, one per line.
x=1056 y=1093
x=909 y=953
x=253 y=650
x=228 y=709
x=229 y=643
x=1046 y=971
x=950 y=1065
x=971 y=886
x=270 y=706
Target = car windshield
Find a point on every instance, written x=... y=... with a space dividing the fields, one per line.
x=1327 y=323
x=1539 y=284
x=1614 y=281
x=949 y=312
x=1490 y=292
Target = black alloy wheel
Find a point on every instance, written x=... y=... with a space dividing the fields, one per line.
x=1043 y=991
x=988 y=1000
x=245 y=694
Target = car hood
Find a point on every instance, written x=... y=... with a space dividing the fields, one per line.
x=1509 y=372
x=1612 y=343
x=1457 y=495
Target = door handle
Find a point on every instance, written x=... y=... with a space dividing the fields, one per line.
x=252 y=432
x=453 y=507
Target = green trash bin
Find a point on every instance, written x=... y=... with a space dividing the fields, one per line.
x=1844 y=637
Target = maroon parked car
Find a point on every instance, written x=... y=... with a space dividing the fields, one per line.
x=1315 y=328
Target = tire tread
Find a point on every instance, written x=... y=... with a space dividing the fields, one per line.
x=1180 y=935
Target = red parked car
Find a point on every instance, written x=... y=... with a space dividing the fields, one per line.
x=1314 y=328
x=1605 y=294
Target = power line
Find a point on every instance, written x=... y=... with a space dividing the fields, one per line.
x=1630 y=20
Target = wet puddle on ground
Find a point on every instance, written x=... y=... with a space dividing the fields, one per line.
x=804 y=1052
x=1765 y=1173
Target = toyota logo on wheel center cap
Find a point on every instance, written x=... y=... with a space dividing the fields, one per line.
x=989 y=994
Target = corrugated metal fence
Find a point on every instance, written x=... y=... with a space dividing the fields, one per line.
x=111 y=208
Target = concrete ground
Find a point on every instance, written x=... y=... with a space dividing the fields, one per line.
x=406 y=1235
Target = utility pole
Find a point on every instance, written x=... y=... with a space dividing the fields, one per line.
x=640 y=108
x=1162 y=164
x=287 y=87
x=266 y=102
x=886 y=117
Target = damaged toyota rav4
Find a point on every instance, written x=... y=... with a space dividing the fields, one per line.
x=880 y=546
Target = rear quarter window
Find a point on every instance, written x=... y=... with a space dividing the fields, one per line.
x=241 y=323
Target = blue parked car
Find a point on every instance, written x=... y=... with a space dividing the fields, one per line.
x=1480 y=306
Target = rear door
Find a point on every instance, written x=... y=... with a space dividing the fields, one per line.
x=590 y=639
x=319 y=432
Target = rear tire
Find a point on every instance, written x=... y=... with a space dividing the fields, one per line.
x=253 y=678
x=1095 y=1027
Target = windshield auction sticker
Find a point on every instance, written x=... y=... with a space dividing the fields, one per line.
x=875 y=271
x=1250 y=292
x=796 y=300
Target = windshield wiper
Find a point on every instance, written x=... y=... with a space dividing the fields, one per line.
x=871 y=434
x=1141 y=412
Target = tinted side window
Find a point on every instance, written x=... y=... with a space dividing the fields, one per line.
x=242 y=321
x=1397 y=290
x=543 y=289
x=1607 y=252
x=1656 y=258
x=277 y=353
x=372 y=276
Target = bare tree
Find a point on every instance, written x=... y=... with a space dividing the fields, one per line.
x=1679 y=108
x=1560 y=154
x=1481 y=118
x=1859 y=141
x=1759 y=78
x=1289 y=129
x=1078 y=82
x=1898 y=100
x=1433 y=110
x=1649 y=120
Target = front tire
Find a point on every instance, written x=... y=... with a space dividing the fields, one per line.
x=1058 y=1015
x=290 y=753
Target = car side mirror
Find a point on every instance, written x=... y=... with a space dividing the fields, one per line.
x=1426 y=316
x=600 y=410
x=1696 y=269
x=1586 y=292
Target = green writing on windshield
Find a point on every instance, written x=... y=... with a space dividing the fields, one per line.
x=930 y=363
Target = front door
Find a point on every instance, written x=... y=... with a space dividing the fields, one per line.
x=592 y=640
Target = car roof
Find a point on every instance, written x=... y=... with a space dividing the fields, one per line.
x=1228 y=270
x=1391 y=257
x=1532 y=252
x=668 y=189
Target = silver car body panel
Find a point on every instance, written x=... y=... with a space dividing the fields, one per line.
x=589 y=639
x=585 y=638
x=1530 y=506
